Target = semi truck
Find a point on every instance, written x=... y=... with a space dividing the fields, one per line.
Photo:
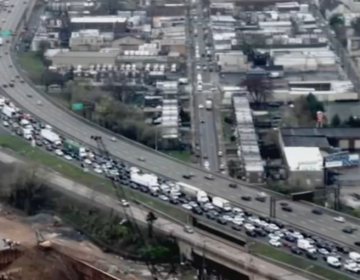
x=8 y=111
x=221 y=203
x=208 y=104
x=74 y=149
x=189 y=190
x=50 y=136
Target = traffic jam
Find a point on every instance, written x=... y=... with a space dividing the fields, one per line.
x=179 y=194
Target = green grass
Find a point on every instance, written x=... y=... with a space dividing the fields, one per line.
x=32 y=65
x=226 y=128
x=75 y=173
x=297 y=262
x=180 y=155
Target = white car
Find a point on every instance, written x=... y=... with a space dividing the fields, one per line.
x=186 y=206
x=98 y=170
x=87 y=161
x=275 y=243
x=59 y=152
x=227 y=218
x=164 y=197
x=124 y=203
x=237 y=210
x=5 y=123
x=238 y=222
x=201 y=106
x=188 y=229
x=273 y=236
x=39 y=103
x=352 y=267
x=206 y=164
x=339 y=219
x=249 y=227
x=68 y=157
x=323 y=251
x=113 y=139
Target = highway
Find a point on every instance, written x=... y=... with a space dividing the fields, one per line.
x=72 y=126
x=206 y=120
x=197 y=240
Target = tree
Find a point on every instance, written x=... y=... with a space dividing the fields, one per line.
x=335 y=121
x=43 y=47
x=314 y=105
x=336 y=19
x=356 y=25
x=259 y=88
x=150 y=219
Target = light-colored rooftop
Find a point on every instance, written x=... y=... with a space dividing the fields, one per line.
x=304 y=158
x=99 y=19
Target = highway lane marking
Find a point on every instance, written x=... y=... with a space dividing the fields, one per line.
x=322 y=229
x=331 y=228
x=312 y=221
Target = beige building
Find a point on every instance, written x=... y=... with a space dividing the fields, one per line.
x=128 y=43
x=87 y=40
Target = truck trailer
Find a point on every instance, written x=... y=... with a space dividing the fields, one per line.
x=50 y=136
x=145 y=180
x=221 y=203
x=74 y=149
x=189 y=190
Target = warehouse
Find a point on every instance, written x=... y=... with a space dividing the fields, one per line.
x=84 y=59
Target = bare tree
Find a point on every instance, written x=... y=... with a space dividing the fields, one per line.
x=259 y=88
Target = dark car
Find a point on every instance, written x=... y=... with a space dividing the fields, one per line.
x=287 y=208
x=289 y=238
x=357 y=243
x=234 y=186
x=349 y=230
x=197 y=211
x=246 y=198
x=284 y=204
x=311 y=256
x=236 y=227
x=49 y=148
x=316 y=212
x=5 y=85
x=221 y=221
x=11 y=85
x=295 y=250
x=39 y=143
x=251 y=233
x=210 y=216
x=260 y=232
x=174 y=201
x=261 y=198
x=187 y=176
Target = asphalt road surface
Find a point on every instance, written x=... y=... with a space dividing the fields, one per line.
x=156 y=163
x=198 y=240
x=207 y=126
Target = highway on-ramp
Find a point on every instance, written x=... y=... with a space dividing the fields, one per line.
x=74 y=127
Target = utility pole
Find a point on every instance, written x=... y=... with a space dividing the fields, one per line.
x=272 y=207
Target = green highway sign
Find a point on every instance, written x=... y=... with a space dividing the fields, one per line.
x=5 y=33
x=77 y=106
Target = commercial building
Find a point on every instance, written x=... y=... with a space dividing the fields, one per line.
x=114 y=24
x=84 y=59
x=87 y=40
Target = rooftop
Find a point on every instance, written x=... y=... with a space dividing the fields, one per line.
x=99 y=19
x=303 y=158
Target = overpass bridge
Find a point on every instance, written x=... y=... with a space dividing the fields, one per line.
x=228 y=255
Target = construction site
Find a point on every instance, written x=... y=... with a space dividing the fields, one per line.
x=40 y=248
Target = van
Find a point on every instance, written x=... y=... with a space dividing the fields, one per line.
x=354 y=256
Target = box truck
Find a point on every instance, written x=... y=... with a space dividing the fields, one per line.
x=192 y=191
x=145 y=180
x=74 y=149
x=50 y=136
x=208 y=104
x=8 y=111
x=221 y=203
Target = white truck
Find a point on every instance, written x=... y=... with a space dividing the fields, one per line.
x=208 y=104
x=333 y=261
x=27 y=133
x=305 y=245
x=145 y=180
x=189 y=190
x=8 y=111
x=354 y=256
x=50 y=136
x=221 y=203
x=1 y=41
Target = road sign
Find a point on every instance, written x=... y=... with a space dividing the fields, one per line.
x=77 y=106
x=5 y=33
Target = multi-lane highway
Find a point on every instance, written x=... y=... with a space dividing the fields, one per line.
x=74 y=127
x=206 y=121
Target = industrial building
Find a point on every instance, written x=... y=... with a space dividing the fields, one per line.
x=85 y=59
x=247 y=141
x=113 y=24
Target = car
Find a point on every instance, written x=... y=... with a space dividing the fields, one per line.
x=22 y=81
x=209 y=177
x=28 y=94
x=233 y=186
x=187 y=176
x=164 y=197
x=236 y=227
x=39 y=103
x=5 y=85
x=141 y=159
x=98 y=170
x=246 y=198
x=124 y=203
x=197 y=210
x=10 y=66
x=113 y=139
x=188 y=229
x=339 y=219
x=67 y=157
x=317 y=212
x=284 y=204
x=6 y=124
x=352 y=267
x=186 y=206
x=349 y=230
x=11 y=85
x=295 y=250
x=49 y=148
x=59 y=152
x=202 y=121
x=287 y=208
x=357 y=243
x=220 y=153
x=201 y=106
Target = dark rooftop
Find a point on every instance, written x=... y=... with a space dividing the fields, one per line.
x=345 y=132
x=306 y=141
